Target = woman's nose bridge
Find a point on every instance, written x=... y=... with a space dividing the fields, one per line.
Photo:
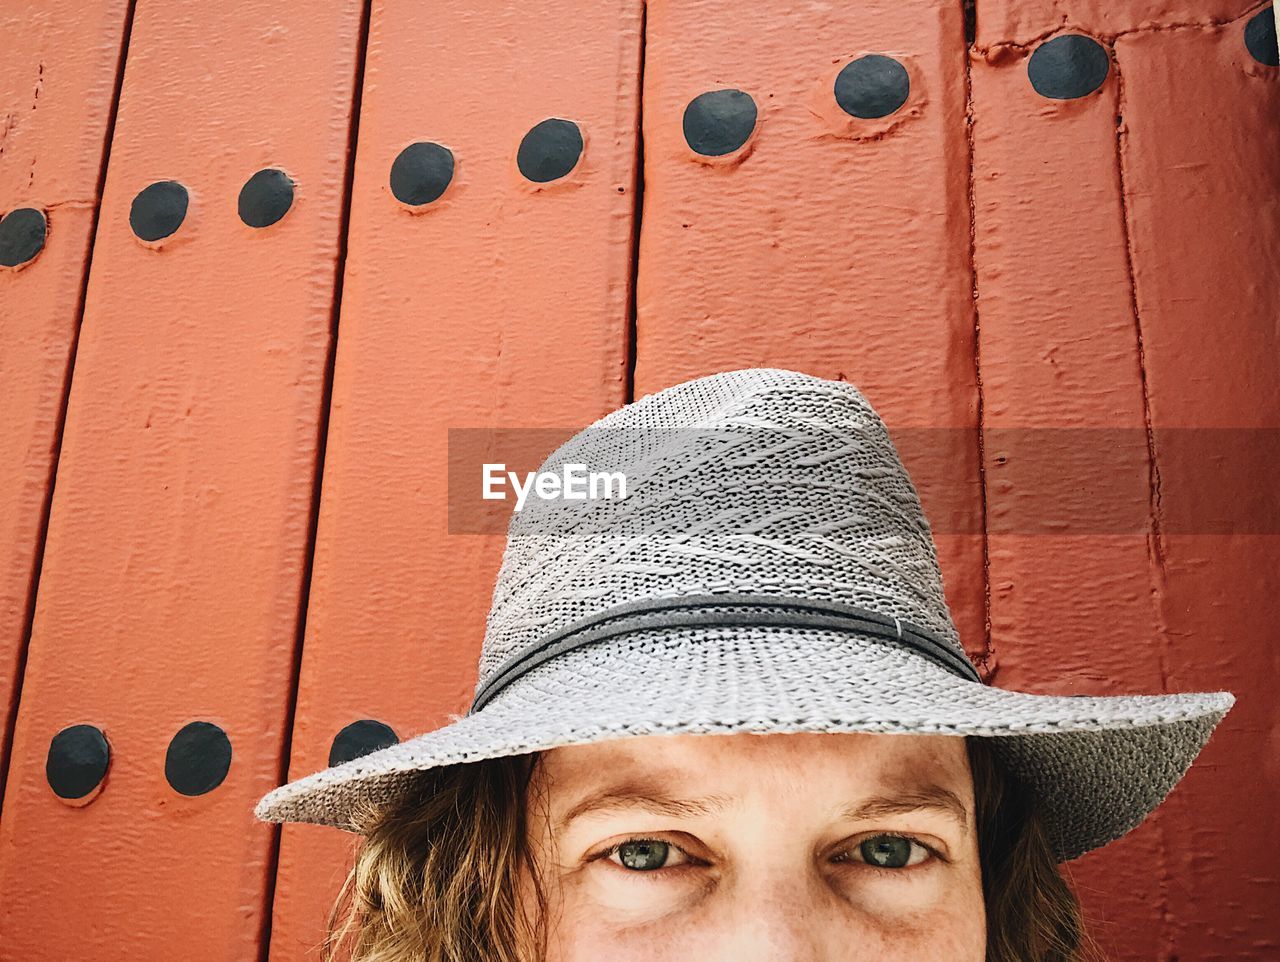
x=782 y=914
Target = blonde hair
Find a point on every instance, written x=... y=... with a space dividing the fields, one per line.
x=437 y=879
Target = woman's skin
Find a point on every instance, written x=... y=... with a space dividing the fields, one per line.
x=763 y=856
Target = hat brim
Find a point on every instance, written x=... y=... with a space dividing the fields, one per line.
x=1099 y=764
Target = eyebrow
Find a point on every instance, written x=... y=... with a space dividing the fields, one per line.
x=641 y=796
x=926 y=798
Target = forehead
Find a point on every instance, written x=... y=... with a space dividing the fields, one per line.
x=841 y=761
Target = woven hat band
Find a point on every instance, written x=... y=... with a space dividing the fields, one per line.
x=717 y=610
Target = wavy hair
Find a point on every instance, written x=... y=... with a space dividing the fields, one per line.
x=437 y=878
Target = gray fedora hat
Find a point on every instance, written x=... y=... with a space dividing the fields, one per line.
x=765 y=566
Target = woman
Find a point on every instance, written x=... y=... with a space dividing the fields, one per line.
x=764 y=574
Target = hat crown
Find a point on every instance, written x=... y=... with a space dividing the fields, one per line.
x=759 y=481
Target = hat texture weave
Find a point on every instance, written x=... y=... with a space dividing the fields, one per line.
x=770 y=569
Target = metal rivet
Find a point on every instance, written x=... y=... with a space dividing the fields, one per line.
x=198 y=758
x=421 y=173
x=1068 y=67
x=77 y=761
x=22 y=234
x=158 y=210
x=1260 y=37
x=872 y=86
x=718 y=122
x=549 y=150
x=265 y=197
x=359 y=739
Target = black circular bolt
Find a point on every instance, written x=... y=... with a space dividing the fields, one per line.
x=421 y=173
x=549 y=150
x=360 y=738
x=718 y=122
x=1260 y=37
x=266 y=197
x=198 y=758
x=77 y=761
x=158 y=210
x=22 y=233
x=1068 y=67
x=872 y=86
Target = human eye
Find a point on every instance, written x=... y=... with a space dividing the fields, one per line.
x=645 y=854
x=889 y=850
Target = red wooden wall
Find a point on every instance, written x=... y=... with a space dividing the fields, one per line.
x=222 y=496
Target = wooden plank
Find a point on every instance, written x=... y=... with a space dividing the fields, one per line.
x=501 y=304
x=179 y=530
x=1119 y=304
x=1018 y=23
x=59 y=62
x=1071 y=610
x=1199 y=145
x=827 y=243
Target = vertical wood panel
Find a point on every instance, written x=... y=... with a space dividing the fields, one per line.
x=1072 y=611
x=1121 y=241
x=59 y=62
x=827 y=244
x=1201 y=140
x=499 y=304
x=179 y=527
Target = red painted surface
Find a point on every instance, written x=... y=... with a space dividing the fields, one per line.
x=1004 y=23
x=179 y=527
x=1104 y=264
x=1140 y=216
x=1059 y=350
x=500 y=305
x=1199 y=150
x=57 y=84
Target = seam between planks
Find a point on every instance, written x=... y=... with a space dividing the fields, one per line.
x=19 y=670
x=322 y=434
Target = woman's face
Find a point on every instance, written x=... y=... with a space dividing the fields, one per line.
x=733 y=848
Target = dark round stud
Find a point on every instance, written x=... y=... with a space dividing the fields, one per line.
x=421 y=172
x=77 y=761
x=872 y=86
x=550 y=150
x=360 y=738
x=22 y=233
x=266 y=197
x=198 y=759
x=1068 y=67
x=1260 y=37
x=158 y=210
x=718 y=122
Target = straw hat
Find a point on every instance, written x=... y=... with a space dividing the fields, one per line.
x=770 y=569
